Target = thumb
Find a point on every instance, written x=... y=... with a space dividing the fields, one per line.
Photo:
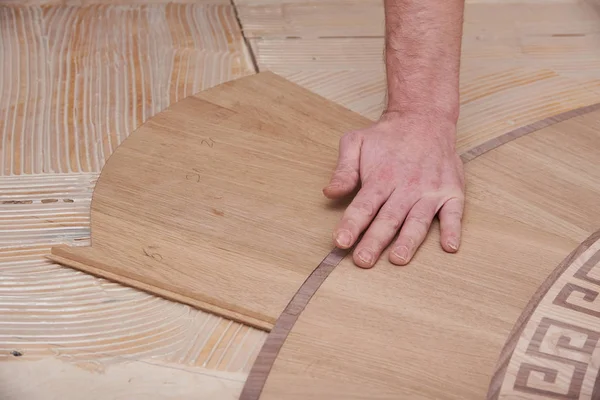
x=346 y=175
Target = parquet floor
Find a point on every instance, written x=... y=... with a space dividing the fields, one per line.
x=77 y=77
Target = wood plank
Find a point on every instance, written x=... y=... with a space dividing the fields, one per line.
x=436 y=329
x=232 y=175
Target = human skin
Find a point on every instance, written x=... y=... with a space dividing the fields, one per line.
x=406 y=164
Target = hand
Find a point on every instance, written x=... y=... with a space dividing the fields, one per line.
x=409 y=170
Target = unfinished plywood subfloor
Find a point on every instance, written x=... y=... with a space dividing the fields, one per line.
x=75 y=82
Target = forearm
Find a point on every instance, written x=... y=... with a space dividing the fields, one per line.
x=422 y=52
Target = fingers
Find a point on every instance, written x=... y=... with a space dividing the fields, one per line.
x=382 y=230
x=414 y=230
x=359 y=214
x=450 y=224
x=346 y=175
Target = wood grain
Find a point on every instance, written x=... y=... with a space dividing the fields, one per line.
x=507 y=352
x=77 y=78
x=266 y=357
x=528 y=62
x=76 y=81
x=57 y=380
x=524 y=130
x=436 y=328
x=514 y=53
x=173 y=190
x=268 y=353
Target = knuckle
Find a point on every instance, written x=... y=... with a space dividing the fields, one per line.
x=407 y=240
x=379 y=192
x=345 y=169
x=390 y=219
x=373 y=245
x=454 y=214
x=348 y=138
x=418 y=218
x=364 y=207
x=343 y=140
x=418 y=222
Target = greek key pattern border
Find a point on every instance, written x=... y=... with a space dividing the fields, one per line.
x=557 y=353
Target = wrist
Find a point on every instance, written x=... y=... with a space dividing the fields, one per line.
x=439 y=105
x=421 y=116
x=429 y=125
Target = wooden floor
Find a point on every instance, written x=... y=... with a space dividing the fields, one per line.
x=78 y=77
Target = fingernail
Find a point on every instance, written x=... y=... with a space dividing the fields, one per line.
x=452 y=244
x=365 y=256
x=344 y=238
x=401 y=253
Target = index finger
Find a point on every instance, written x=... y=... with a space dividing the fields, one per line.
x=359 y=214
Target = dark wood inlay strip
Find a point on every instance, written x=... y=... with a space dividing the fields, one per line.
x=262 y=366
x=268 y=353
x=596 y=390
x=491 y=144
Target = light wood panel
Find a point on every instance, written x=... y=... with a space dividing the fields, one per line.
x=436 y=328
x=233 y=175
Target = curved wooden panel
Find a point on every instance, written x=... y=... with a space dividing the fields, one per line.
x=191 y=208
x=436 y=328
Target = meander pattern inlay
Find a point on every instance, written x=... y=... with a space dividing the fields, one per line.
x=557 y=354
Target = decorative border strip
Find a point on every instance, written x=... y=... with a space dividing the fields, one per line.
x=523 y=320
x=266 y=357
x=275 y=340
x=494 y=143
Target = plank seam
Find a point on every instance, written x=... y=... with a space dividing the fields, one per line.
x=245 y=38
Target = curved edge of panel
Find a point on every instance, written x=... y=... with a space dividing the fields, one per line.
x=138 y=132
x=91 y=258
x=494 y=143
x=267 y=355
x=587 y=261
x=275 y=340
x=87 y=259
